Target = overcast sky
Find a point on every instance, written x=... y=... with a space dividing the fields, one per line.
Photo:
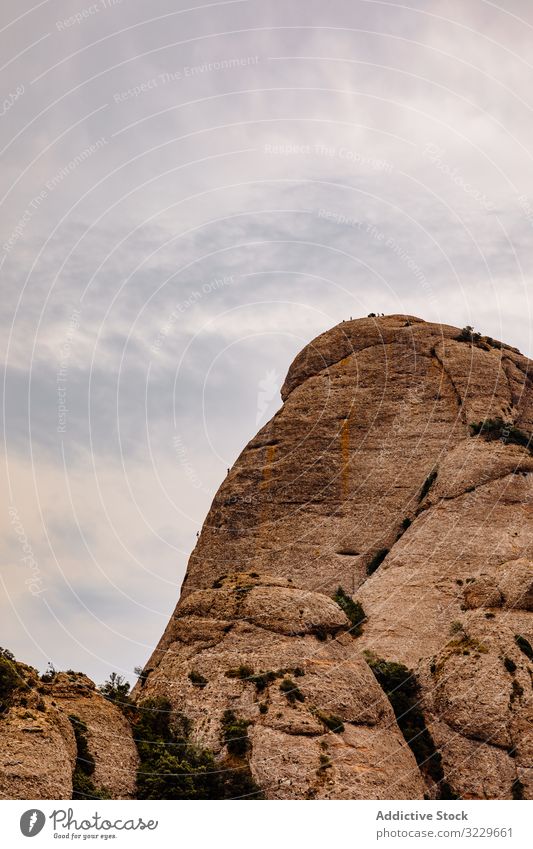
x=188 y=196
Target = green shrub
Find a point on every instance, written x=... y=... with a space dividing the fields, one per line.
x=510 y=665
x=262 y=680
x=403 y=691
x=84 y=758
x=263 y=708
x=377 y=560
x=235 y=782
x=291 y=691
x=156 y=726
x=48 y=676
x=353 y=610
x=493 y=429
x=428 y=483
x=141 y=673
x=197 y=680
x=7 y=654
x=320 y=632
x=116 y=689
x=243 y=671
x=524 y=646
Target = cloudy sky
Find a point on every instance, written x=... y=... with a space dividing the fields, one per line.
x=188 y=196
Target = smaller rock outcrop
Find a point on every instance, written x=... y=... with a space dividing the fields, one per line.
x=59 y=735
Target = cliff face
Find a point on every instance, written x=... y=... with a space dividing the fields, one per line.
x=60 y=738
x=371 y=478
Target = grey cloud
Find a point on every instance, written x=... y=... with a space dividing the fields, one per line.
x=373 y=158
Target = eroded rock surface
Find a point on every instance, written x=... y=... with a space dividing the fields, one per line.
x=358 y=607
x=374 y=476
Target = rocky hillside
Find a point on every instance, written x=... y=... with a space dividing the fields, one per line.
x=356 y=620
x=360 y=597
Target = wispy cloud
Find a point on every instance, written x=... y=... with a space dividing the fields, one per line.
x=188 y=198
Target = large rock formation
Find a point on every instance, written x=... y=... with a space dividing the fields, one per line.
x=398 y=469
x=356 y=620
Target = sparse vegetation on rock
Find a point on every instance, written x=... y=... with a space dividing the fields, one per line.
x=197 y=680
x=506 y=432
x=403 y=691
x=332 y=722
x=472 y=337
x=285 y=555
x=48 y=676
x=263 y=679
x=244 y=672
x=353 y=610
x=510 y=665
x=428 y=483
x=10 y=679
x=468 y=334
x=116 y=689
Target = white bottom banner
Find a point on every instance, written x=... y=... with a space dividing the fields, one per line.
x=313 y=824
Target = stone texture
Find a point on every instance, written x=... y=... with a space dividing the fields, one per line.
x=37 y=744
